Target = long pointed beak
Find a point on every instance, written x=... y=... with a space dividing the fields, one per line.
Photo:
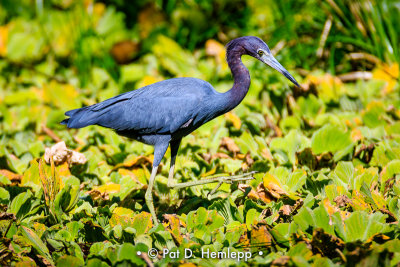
x=273 y=63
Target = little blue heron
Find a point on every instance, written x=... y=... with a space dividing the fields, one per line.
x=161 y=114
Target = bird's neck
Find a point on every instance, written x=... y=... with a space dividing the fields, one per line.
x=240 y=75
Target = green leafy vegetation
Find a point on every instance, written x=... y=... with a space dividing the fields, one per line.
x=327 y=155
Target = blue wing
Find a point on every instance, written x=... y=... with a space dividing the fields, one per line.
x=160 y=108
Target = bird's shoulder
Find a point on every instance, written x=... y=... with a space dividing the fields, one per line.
x=175 y=87
x=178 y=87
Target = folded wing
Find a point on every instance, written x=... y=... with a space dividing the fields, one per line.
x=140 y=114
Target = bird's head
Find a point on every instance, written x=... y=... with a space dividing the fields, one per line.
x=257 y=48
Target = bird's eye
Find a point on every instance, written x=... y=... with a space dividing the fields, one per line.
x=260 y=52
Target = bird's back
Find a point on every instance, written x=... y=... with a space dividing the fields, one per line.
x=178 y=86
x=159 y=108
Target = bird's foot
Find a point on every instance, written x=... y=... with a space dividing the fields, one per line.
x=231 y=179
x=235 y=178
x=219 y=179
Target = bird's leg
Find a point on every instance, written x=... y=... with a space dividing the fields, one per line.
x=159 y=151
x=220 y=180
x=174 y=151
x=149 y=194
x=170 y=182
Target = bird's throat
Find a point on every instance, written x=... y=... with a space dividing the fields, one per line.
x=241 y=78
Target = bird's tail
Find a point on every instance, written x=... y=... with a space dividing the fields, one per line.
x=90 y=115
x=64 y=122
x=80 y=117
